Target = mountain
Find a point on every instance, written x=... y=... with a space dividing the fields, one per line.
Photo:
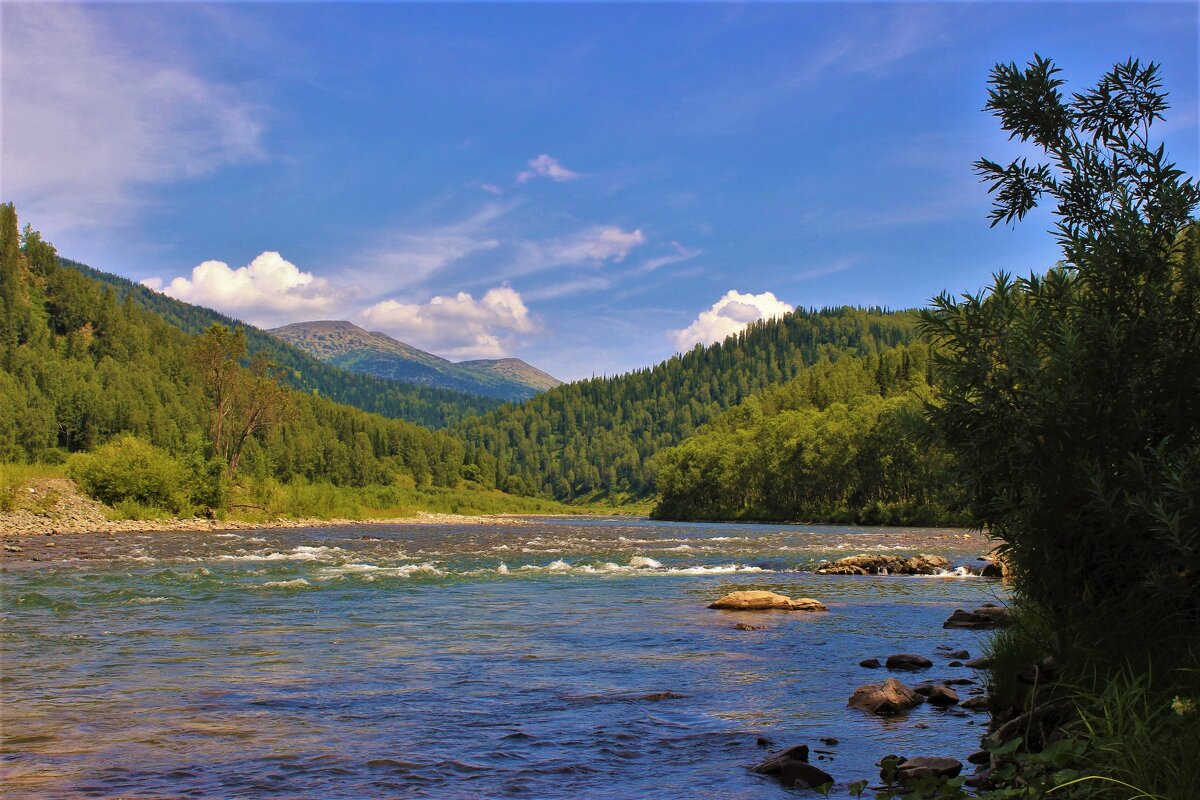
x=348 y=346
x=431 y=406
x=598 y=437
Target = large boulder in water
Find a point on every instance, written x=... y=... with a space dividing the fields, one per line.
x=988 y=615
x=889 y=697
x=879 y=564
x=938 y=694
x=908 y=662
x=756 y=600
x=791 y=768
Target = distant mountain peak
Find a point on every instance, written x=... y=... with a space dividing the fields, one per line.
x=347 y=345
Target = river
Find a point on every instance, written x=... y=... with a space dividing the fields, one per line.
x=465 y=661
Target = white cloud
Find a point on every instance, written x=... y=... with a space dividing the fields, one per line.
x=268 y=291
x=89 y=121
x=593 y=283
x=680 y=253
x=491 y=188
x=407 y=258
x=545 y=166
x=594 y=245
x=733 y=312
x=458 y=326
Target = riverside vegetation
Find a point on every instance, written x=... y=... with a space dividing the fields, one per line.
x=1071 y=402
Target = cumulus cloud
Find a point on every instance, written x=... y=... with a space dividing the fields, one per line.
x=268 y=291
x=545 y=166
x=90 y=121
x=733 y=312
x=458 y=326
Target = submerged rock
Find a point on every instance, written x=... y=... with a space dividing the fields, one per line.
x=889 y=697
x=756 y=600
x=791 y=768
x=927 y=767
x=877 y=564
x=983 y=662
x=745 y=626
x=908 y=662
x=869 y=663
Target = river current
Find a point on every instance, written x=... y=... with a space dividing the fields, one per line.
x=549 y=658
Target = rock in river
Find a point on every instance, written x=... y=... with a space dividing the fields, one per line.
x=928 y=766
x=908 y=662
x=986 y=616
x=869 y=663
x=889 y=697
x=875 y=564
x=941 y=695
x=791 y=768
x=754 y=600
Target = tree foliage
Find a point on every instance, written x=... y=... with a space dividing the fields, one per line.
x=424 y=405
x=80 y=368
x=597 y=437
x=246 y=401
x=1072 y=400
x=843 y=441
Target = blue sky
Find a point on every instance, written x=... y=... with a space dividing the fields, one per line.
x=587 y=187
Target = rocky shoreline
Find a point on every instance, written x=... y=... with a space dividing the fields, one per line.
x=890 y=698
x=54 y=506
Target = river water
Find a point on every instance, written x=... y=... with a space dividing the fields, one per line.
x=465 y=661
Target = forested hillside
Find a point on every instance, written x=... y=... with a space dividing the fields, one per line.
x=79 y=366
x=844 y=441
x=430 y=406
x=596 y=436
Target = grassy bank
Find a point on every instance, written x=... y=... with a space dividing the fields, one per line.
x=264 y=500
x=48 y=492
x=16 y=479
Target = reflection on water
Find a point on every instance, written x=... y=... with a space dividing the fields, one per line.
x=563 y=659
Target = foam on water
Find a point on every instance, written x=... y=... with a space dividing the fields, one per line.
x=300 y=553
x=298 y=583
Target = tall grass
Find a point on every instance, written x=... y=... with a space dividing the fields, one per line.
x=1133 y=687
x=1143 y=733
x=267 y=499
x=15 y=479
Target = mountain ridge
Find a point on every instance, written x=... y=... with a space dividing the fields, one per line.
x=349 y=346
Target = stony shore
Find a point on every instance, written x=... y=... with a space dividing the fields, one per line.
x=54 y=506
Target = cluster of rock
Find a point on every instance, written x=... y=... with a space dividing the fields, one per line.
x=889 y=697
x=879 y=564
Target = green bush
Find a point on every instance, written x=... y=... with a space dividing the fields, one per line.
x=129 y=469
